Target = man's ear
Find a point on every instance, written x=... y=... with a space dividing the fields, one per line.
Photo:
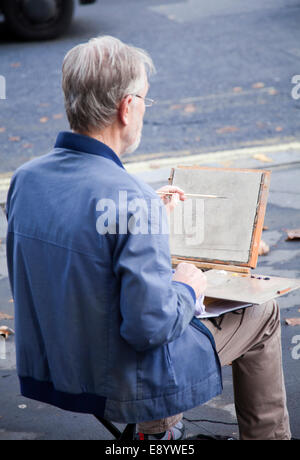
x=124 y=108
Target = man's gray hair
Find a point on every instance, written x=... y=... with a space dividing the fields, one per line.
x=97 y=75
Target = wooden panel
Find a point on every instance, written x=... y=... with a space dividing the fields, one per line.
x=255 y=289
x=260 y=217
x=210 y=265
x=231 y=228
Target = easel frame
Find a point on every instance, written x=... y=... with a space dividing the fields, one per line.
x=257 y=228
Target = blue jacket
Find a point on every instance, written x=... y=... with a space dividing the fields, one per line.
x=101 y=327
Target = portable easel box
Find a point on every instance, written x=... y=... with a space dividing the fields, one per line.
x=230 y=235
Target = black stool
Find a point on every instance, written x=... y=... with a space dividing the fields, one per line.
x=127 y=435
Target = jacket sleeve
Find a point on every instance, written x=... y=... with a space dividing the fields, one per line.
x=154 y=309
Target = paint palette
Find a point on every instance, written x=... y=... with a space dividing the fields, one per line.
x=254 y=289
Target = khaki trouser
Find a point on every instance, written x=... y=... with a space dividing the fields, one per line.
x=250 y=339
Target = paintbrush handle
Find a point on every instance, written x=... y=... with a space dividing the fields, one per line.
x=192 y=194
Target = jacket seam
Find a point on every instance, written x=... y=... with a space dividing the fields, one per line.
x=31 y=237
x=125 y=401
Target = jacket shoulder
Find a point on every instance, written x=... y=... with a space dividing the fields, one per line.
x=141 y=188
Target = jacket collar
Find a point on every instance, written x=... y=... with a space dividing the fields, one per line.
x=81 y=143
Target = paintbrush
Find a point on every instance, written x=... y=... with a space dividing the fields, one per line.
x=196 y=195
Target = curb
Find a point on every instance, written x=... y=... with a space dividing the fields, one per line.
x=263 y=157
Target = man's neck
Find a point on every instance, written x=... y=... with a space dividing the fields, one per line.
x=108 y=137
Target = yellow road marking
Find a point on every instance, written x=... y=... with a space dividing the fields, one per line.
x=182 y=158
x=178 y=157
x=187 y=100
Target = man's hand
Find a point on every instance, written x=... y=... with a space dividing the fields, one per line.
x=171 y=195
x=189 y=274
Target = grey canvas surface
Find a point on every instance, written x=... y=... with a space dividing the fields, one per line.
x=219 y=229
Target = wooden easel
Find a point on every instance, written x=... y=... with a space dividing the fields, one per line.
x=247 y=192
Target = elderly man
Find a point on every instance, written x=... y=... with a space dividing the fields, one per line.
x=103 y=326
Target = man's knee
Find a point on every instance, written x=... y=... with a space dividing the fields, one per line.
x=270 y=316
x=272 y=309
x=268 y=309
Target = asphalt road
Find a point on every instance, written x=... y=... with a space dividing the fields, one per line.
x=223 y=81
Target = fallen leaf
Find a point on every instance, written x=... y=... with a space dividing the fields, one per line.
x=176 y=107
x=227 y=129
x=44 y=119
x=272 y=91
x=44 y=104
x=278 y=128
x=15 y=64
x=5 y=316
x=190 y=108
x=293 y=321
x=293 y=234
x=58 y=116
x=226 y=163
x=262 y=157
x=27 y=146
x=258 y=85
x=265 y=227
x=263 y=248
x=14 y=138
x=11 y=300
x=6 y=331
x=237 y=89
x=2 y=129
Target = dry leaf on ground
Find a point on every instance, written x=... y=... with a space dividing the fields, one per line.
x=263 y=248
x=190 y=108
x=293 y=234
x=272 y=91
x=176 y=107
x=258 y=85
x=5 y=315
x=262 y=157
x=227 y=129
x=292 y=321
x=6 y=331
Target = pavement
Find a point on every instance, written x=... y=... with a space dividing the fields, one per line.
x=21 y=418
